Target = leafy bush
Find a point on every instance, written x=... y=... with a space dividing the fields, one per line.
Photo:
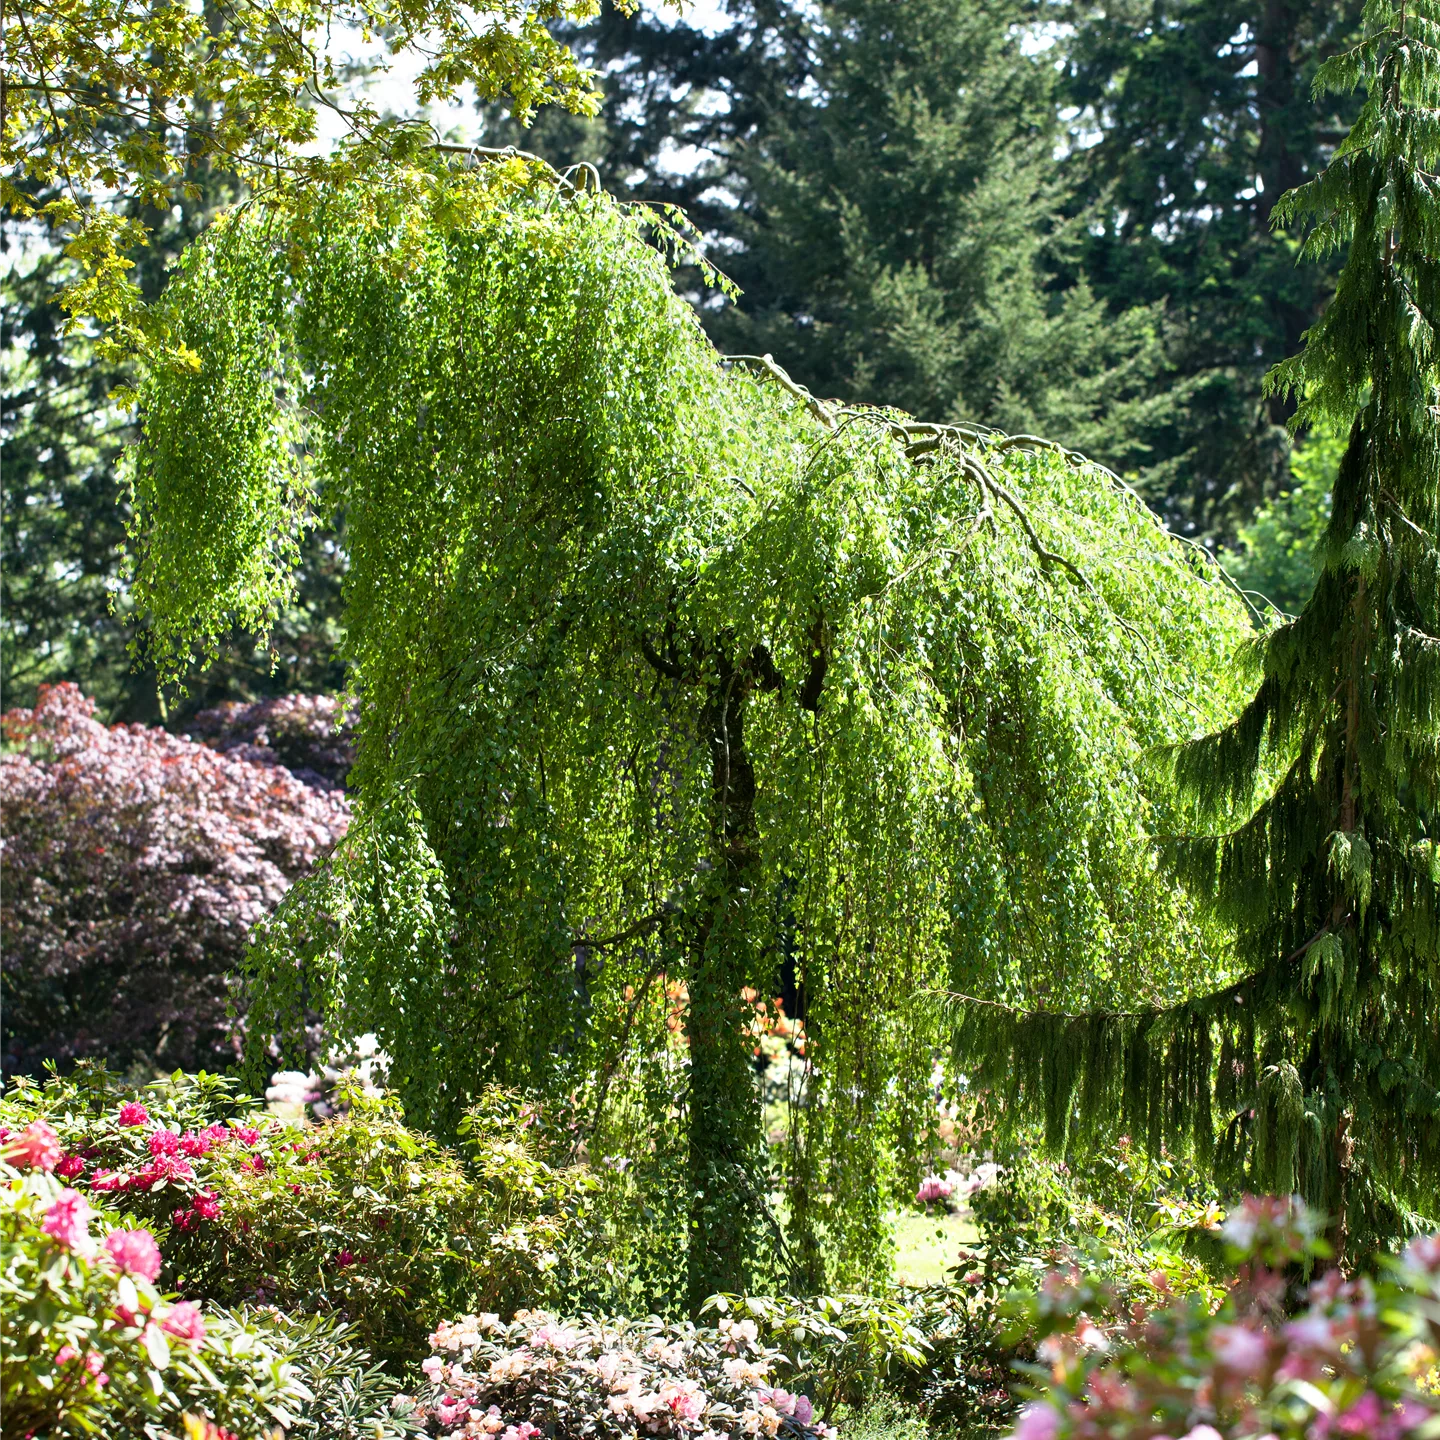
x=134 y=867
x=350 y=1396
x=609 y=1379
x=312 y=736
x=1348 y=1364
x=356 y=1217
x=947 y=1351
x=90 y=1344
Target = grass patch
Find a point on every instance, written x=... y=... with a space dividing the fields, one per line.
x=927 y=1246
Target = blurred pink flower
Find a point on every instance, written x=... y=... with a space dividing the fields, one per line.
x=184 y=1322
x=36 y=1147
x=67 y=1222
x=1037 y=1422
x=1239 y=1348
x=134 y=1252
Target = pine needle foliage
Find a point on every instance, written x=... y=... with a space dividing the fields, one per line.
x=676 y=684
x=1317 y=810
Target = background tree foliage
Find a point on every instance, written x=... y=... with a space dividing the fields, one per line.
x=670 y=673
x=1040 y=216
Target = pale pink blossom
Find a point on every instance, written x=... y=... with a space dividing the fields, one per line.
x=1239 y=1348
x=1037 y=1422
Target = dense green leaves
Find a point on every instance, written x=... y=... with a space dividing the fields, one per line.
x=1313 y=832
x=671 y=671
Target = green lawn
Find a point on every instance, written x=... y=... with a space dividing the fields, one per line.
x=926 y=1245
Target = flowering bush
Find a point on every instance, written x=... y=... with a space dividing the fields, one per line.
x=1349 y=1363
x=134 y=866
x=356 y=1217
x=90 y=1344
x=607 y=1378
x=312 y=736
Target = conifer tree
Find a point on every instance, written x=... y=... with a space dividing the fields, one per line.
x=879 y=179
x=1318 y=808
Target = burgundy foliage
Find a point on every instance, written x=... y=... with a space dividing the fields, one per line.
x=312 y=736
x=134 y=864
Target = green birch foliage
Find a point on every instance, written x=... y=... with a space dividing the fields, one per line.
x=1314 y=831
x=675 y=685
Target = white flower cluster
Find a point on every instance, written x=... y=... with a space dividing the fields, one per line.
x=612 y=1378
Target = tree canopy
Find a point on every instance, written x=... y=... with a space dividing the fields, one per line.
x=107 y=105
x=674 y=679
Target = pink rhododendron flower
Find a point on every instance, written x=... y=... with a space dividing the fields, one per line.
x=70 y=1167
x=1037 y=1422
x=134 y=1252
x=195 y=1145
x=184 y=1321
x=933 y=1187
x=432 y=1365
x=65 y=1354
x=109 y=1180
x=255 y=1164
x=344 y=1259
x=36 y=1147
x=1239 y=1348
x=133 y=1113
x=163 y=1168
x=804 y=1410
x=207 y=1206
x=164 y=1142
x=246 y=1134
x=67 y=1222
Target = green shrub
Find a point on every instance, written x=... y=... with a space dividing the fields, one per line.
x=350 y=1396
x=357 y=1217
x=89 y=1345
x=1349 y=1359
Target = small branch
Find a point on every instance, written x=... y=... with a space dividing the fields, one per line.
x=613 y=1063
x=817 y=408
x=640 y=927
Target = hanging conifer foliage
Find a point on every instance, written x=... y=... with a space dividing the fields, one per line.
x=1317 y=811
x=673 y=678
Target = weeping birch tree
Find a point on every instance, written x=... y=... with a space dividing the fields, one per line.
x=675 y=679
